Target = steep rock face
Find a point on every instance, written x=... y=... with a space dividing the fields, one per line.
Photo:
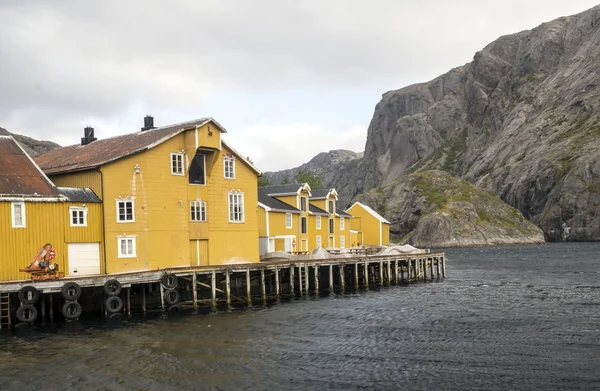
x=522 y=120
x=435 y=209
x=32 y=146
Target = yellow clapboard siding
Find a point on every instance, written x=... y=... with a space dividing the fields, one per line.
x=91 y=179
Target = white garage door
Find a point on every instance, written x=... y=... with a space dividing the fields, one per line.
x=84 y=259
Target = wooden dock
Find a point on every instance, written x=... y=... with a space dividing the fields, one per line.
x=167 y=290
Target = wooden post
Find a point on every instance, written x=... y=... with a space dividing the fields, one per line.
x=356 y=283
x=396 y=271
x=162 y=297
x=194 y=290
x=292 y=291
x=366 y=275
x=444 y=266
x=431 y=268
x=263 y=289
x=228 y=286
x=213 y=288
x=330 y=278
x=307 y=279
x=277 y=282
x=316 y=280
x=425 y=271
x=248 y=290
x=380 y=273
x=144 y=298
x=300 y=282
x=342 y=282
x=129 y=301
x=389 y=272
x=51 y=305
x=437 y=267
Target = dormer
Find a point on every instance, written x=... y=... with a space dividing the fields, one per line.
x=325 y=199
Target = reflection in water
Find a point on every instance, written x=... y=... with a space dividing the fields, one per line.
x=518 y=318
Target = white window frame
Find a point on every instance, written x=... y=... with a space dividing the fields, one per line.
x=231 y=171
x=238 y=199
x=174 y=169
x=132 y=200
x=331 y=226
x=342 y=241
x=13 y=206
x=304 y=218
x=318 y=242
x=341 y=223
x=318 y=222
x=78 y=209
x=305 y=208
x=120 y=239
x=288 y=220
x=198 y=211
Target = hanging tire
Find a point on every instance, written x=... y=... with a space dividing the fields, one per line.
x=169 y=280
x=174 y=309
x=171 y=297
x=71 y=291
x=71 y=310
x=28 y=295
x=27 y=313
x=112 y=288
x=113 y=304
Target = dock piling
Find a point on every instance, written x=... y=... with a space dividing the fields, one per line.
x=292 y=290
x=330 y=278
x=356 y=282
x=342 y=282
x=277 y=283
x=228 y=286
x=263 y=289
x=213 y=288
x=316 y=269
x=248 y=287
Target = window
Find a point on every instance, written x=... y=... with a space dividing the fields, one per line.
x=331 y=207
x=229 y=167
x=126 y=247
x=198 y=211
x=125 y=211
x=197 y=170
x=318 y=241
x=318 y=222
x=304 y=225
x=288 y=220
x=331 y=230
x=18 y=214
x=341 y=223
x=236 y=207
x=78 y=217
x=176 y=163
x=303 y=204
x=342 y=241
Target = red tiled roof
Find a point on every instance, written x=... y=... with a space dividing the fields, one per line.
x=83 y=157
x=19 y=175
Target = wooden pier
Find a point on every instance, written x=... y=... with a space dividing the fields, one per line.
x=209 y=286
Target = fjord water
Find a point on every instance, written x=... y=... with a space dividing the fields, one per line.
x=506 y=318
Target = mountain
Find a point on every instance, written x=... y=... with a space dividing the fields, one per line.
x=521 y=121
x=32 y=146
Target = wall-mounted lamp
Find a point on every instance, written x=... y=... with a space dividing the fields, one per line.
x=136 y=168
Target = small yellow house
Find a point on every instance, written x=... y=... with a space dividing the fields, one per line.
x=173 y=196
x=33 y=212
x=372 y=229
x=278 y=224
x=337 y=224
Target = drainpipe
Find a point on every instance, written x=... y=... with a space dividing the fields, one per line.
x=103 y=225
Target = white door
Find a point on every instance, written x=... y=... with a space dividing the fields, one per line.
x=84 y=259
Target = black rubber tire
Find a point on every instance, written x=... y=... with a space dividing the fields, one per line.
x=71 y=291
x=24 y=296
x=171 y=297
x=173 y=309
x=169 y=280
x=110 y=306
x=112 y=288
x=71 y=310
x=21 y=313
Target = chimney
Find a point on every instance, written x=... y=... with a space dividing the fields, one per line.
x=148 y=123
x=88 y=136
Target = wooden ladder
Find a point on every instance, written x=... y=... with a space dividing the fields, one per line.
x=4 y=310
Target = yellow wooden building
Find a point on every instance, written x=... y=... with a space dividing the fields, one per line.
x=294 y=218
x=34 y=212
x=372 y=229
x=172 y=196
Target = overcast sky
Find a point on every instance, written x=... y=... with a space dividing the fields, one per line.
x=287 y=79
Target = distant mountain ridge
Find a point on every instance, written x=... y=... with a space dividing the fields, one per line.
x=32 y=146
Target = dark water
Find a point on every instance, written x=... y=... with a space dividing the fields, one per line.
x=511 y=318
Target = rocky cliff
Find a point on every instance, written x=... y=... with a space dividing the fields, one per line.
x=32 y=146
x=434 y=209
x=522 y=121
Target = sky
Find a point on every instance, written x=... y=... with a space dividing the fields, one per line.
x=287 y=78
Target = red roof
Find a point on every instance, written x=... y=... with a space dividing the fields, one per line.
x=83 y=157
x=19 y=175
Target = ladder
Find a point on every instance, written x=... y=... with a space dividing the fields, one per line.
x=4 y=310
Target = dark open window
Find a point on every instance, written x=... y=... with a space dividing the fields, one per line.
x=197 y=170
x=304 y=228
x=331 y=230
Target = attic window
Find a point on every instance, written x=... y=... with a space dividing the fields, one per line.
x=229 y=166
x=303 y=204
x=176 y=163
x=18 y=214
x=331 y=207
x=197 y=175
